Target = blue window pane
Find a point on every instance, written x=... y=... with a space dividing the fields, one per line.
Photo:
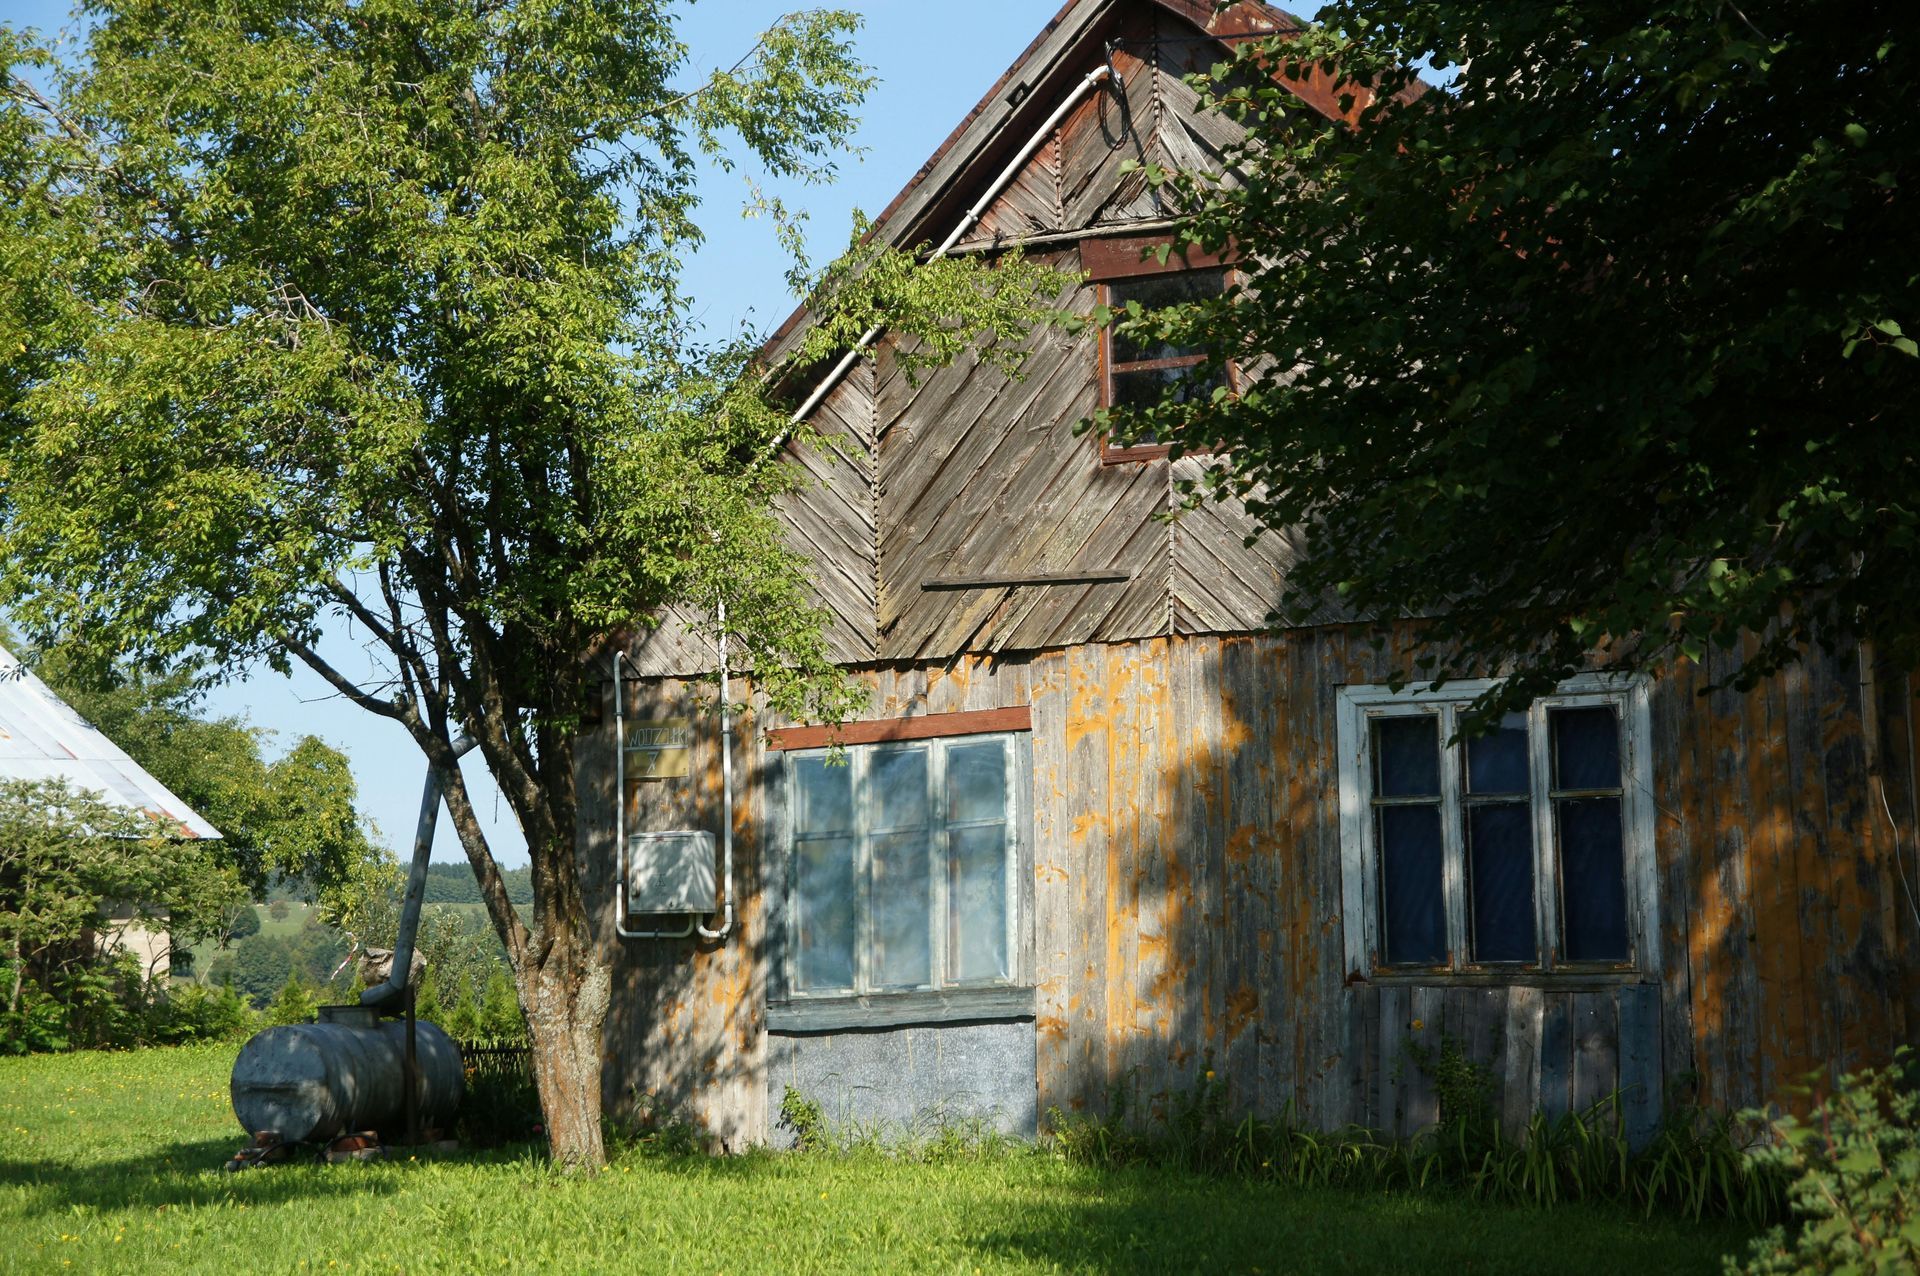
x=977 y=782
x=1586 y=748
x=977 y=904
x=823 y=904
x=1500 y=881
x=1593 y=892
x=897 y=789
x=1406 y=756
x=902 y=911
x=823 y=796
x=1412 y=909
x=1497 y=762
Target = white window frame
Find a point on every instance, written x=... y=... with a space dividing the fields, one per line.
x=1360 y=706
x=859 y=757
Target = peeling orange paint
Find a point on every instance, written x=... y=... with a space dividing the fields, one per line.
x=1188 y=879
x=1242 y=1005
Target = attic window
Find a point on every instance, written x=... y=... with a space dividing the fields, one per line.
x=1134 y=372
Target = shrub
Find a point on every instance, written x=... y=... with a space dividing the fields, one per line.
x=36 y=1023
x=294 y=1003
x=501 y=1020
x=198 y=1012
x=108 y=1006
x=805 y=1118
x=462 y=1019
x=1856 y=1180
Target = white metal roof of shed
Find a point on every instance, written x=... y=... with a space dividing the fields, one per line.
x=42 y=738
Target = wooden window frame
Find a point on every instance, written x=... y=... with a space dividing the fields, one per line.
x=1126 y=258
x=866 y=1005
x=925 y=727
x=1360 y=706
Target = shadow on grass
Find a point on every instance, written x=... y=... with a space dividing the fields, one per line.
x=1133 y=1221
x=189 y=1173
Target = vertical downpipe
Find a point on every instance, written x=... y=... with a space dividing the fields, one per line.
x=385 y=995
x=726 y=784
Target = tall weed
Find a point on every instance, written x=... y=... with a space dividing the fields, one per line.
x=1696 y=1166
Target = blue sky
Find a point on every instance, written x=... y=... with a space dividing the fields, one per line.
x=934 y=62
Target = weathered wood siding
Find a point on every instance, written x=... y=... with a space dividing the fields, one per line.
x=828 y=520
x=1186 y=866
x=962 y=471
x=684 y=1031
x=981 y=474
x=1187 y=900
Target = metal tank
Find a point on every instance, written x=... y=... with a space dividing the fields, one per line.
x=348 y=1072
x=317 y=1080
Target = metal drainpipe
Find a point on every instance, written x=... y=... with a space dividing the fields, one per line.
x=726 y=783
x=384 y=995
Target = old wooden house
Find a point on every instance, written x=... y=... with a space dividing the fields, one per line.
x=1103 y=832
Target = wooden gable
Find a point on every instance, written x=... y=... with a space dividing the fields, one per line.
x=964 y=473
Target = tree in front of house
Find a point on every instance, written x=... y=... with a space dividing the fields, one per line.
x=319 y=316
x=63 y=854
x=1610 y=340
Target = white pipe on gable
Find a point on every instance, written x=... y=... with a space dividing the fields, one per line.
x=967 y=223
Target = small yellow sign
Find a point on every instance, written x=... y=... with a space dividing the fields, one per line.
x=660 y=750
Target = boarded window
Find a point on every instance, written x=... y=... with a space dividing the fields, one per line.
x=1515 y=849
x=903 y=867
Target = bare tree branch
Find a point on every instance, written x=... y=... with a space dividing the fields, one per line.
x=399 y=712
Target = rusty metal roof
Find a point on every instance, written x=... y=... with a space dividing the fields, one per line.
x=42 y=738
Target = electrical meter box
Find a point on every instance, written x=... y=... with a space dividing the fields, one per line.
x=671 y=873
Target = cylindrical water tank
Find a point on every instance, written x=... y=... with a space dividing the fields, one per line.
x=318 y=1080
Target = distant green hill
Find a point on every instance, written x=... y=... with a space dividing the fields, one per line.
x=454 y=884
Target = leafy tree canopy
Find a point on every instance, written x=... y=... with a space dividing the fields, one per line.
x=291 y=818
x=368 y=312
x=1608 y=342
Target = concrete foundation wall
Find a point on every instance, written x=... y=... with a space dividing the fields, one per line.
x=909 y=1082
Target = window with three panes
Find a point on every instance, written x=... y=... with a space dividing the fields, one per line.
x=1516 y=848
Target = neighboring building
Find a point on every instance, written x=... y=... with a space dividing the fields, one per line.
x=1104 y=832
x=42 y=738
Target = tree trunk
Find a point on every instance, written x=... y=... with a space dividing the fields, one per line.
x=566 y=998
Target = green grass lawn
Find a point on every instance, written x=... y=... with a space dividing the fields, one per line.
x=110 y=1162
